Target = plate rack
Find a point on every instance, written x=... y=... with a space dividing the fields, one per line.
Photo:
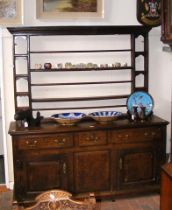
x=80 y=77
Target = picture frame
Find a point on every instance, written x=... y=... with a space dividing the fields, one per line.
x=149 y=12
x=69 y=9
x=11 y=12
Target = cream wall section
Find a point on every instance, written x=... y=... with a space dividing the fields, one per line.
x=8 y=102
x=117 y=12
x=160 y=78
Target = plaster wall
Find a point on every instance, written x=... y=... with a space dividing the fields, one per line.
x=116 y=12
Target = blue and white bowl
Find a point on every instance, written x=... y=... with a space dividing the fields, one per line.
x=69 y=118
x=105 y=116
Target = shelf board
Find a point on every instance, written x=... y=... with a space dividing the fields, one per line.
x=22 y=94
x=79 y=51
x=139 y=72
x=140 y=89
x=82 y=69
x=21 y=55
x=76 y=108
x=80 y=30
x=139 y=53
x=82 y=83
x=18 y=76
x=22 y=108
x=93 y=98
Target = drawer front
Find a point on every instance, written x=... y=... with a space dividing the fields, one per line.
x=92 y=138
x=135 y=135
x=45 y=141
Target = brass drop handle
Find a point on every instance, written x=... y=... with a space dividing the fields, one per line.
x=60 y=141
x=32 y=143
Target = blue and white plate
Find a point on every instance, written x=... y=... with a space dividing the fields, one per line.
x=69 y=118
x=105 y=116
x=140 y=99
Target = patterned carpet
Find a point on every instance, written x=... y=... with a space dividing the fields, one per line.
x=137 y=203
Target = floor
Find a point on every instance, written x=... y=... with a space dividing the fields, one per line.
x=150 y=202
x=138 y=203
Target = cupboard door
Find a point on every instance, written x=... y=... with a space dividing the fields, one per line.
x=92 y=171
x=43 y=173
x=137 y=166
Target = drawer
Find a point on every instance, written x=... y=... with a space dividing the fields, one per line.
x=135 y=135
x=92 y=138
x=45 y=141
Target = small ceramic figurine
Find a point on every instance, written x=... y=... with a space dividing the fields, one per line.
x=142 y=113
x=134 y=114
x=125 y=64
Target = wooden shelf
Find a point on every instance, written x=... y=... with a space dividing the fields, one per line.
x=76 y=108
x=22 y=93
x=80 y=51
x=79 y=98
x=18 y=76
x=82 y=83
x=83 y=69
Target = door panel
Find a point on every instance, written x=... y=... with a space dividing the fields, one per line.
x=49 y=173
x=92 y=171
x=137 y=166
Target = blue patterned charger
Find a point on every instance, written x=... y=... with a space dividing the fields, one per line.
x=140 y=99
x=105 y=116
x=69 y=118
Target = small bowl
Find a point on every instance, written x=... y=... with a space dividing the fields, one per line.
x=70 y=118
x=105 y=116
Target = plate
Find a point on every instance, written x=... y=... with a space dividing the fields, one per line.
x=140 y=99
x=105 y=116
x=69 y=118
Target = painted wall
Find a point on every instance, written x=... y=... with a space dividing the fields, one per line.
x=117 y=12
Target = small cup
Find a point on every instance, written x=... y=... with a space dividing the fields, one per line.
x=47 y=65
x=117 y=64
x=38 y=66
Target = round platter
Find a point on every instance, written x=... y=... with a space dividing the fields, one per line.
x=140 y=99
x=68 y=118
x=105 y=116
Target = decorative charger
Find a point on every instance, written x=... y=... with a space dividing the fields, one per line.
x=70 y=118
x=105 y=116
x=140 y=99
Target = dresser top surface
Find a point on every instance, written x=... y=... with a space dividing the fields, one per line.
x=53 y=127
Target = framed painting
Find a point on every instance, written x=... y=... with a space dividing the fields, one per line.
x=56 y=9
x=11 y=12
